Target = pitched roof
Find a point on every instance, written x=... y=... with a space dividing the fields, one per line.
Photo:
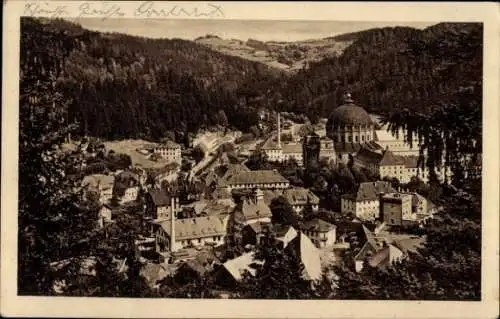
x=368 y=156
x=417 y=199
x=100 y=181
x=256 y=177
x=169 y=144
x=155 y=272
x=253 y=209
x=159 y=197
x=373 y=244
x=203 y=262
x=292 y=148
x=319 y=225
x=370 y=191
x=385 y=256
x=271 y=143
x=309 y=256
x=389 y=159
x=259 y=227
x=280 y=230
x=238 y=265
x=199 y=227
x=217 y=208
x=341 y=147
x=410 y=161
x=269 y=195
x=300 y=196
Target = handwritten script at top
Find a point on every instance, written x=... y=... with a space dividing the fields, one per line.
x=151 y=9
x=104 y=10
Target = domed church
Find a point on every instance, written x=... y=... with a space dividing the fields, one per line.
x=351 y=128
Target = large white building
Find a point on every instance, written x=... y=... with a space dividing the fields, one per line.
x=170 y=151
x=387 y=164
x=278 y=151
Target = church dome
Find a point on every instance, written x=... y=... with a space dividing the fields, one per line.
x=349 y=114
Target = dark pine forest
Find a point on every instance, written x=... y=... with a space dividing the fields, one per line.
x=122 y=86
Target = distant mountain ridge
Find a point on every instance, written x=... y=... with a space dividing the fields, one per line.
x=392 y=68
x=287 y=56
x=122 y=86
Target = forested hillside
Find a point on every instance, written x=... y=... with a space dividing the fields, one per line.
x=123 y=86
x=392 y=68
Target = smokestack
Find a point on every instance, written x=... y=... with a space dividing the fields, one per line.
x=172 y=224
x=279 y=131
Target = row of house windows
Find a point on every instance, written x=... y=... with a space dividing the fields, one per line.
x=350 y=139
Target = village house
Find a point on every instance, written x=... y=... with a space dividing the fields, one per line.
x=252 y=234
x=405 y=208
x=300 y=198
x=105 y=215
x=387 y=164
x=321 y=233
x=183 y=233
x=263 y=179
x=231 y=272
x=159 y=204
x=380 y=250
x=169 y=151
x=99 y=184
x=127 y=186
x=284 y=234
x=365 y=203
x=254 y=208
x=309 y=256
x=327 y=149
x=204 y=263
x=396 y=208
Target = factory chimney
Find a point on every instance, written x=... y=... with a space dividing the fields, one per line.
x=172 y=223
x=279 y=131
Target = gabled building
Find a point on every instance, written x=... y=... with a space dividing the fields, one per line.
x=232 y=271
x=159 y=204
x=99 y=184
x=199 y=231
x=170 y=151
x=254 y=209
x=405 y=208
x=262 y=179
x=309 y=256
x=381 y=250
x=396 y=209
x=365 y=203
x=321 y=233
x=300 y=198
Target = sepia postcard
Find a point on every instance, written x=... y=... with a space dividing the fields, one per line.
x=250 y=159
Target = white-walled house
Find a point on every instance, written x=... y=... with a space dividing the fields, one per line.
x=170 y=151
x=321 y=233
x=300 y=197
x=262 y=179
x=365 y=203
x=199 y=231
